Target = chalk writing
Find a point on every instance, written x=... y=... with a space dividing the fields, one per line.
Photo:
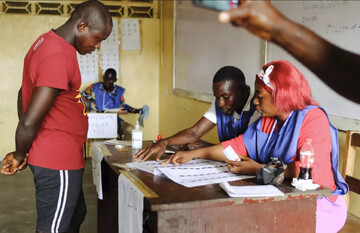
x=309 y=19
x=323 y=5
x=342 y=28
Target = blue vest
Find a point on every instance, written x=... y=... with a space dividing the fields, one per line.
x=282 y=143
x=104 y=100
x=227 y=129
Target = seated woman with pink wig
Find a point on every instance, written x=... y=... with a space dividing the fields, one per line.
x=289 y=117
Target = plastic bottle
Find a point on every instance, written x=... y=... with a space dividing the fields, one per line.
x=137 y=137
x=307 y=158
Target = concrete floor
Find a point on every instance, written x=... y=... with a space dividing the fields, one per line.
x=17 y=202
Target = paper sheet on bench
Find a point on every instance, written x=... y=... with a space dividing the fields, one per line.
x=196 y=172
x=131 y=206
x=251 y=190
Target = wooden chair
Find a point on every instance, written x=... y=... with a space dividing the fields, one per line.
x=352 y=141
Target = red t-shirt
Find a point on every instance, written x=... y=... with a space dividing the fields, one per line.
x=315 y=126
x=52 y=62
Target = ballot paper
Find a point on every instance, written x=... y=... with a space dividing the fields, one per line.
x=196 y=172
x=131 y=205
x=153 y=166
x=251 y=190
x=117 y=142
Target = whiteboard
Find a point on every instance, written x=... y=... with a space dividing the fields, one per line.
x=202 y=46
x=338 y=22
x=102 y=125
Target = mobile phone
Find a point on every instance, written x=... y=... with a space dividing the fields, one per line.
x=218 y=5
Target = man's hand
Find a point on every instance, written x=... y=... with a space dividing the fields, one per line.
x=144 y=114
x=158 y=149
x=179 y=158
x=246 y=166
x=259 y=17
x=13 y=164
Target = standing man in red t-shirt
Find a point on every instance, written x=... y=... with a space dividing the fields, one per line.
x=52 y=124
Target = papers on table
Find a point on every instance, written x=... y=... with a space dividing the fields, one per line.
x=117 y=142
x=115 y=110
x=153 y=167
x=196 y=172
x=251 y=190
x=131 y=205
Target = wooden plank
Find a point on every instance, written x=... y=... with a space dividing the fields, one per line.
x=259 y=217
x=354 y=184
x=349 y=155
x=355 y=139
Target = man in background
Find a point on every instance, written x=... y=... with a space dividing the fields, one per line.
x=106 y=96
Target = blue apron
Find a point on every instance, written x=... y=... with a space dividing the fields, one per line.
x=227 y=129
x=104 y=100
x=262 y=146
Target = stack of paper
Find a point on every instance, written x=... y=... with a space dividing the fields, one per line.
x=251 y=190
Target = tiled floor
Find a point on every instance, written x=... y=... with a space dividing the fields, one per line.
x=17 y=203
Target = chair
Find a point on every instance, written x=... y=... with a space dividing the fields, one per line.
x=352 y=141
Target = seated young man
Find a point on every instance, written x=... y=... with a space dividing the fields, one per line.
x=232 y=112
x=103 y=96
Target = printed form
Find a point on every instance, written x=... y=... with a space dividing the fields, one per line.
x=196 y=172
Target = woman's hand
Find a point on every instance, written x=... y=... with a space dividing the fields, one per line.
x=179 y=158
x=246 y=166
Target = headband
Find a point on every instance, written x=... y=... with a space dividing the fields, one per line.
x=264 y=76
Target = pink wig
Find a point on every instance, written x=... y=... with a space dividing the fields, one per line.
x=288 y=86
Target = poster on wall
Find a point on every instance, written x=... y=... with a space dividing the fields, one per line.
x=88 y=65
x=109 y=50
x=130 y=34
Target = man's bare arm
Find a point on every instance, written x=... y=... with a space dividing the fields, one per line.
x=185 y=136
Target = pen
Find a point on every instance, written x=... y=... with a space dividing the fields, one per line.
x=159 y=137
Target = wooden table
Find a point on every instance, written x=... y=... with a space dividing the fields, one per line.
x=206 y=208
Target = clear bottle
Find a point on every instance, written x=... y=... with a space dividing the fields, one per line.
x=307 y=157
x=137 y=137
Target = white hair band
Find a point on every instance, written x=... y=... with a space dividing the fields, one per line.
x=264 y=76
